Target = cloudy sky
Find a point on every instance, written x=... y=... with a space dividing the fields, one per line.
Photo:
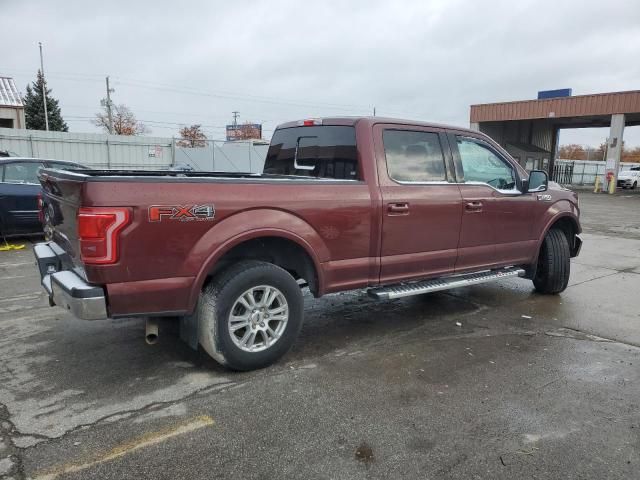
x=178 y=63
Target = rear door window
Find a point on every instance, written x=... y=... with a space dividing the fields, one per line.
x=414 y=156
x=321 y=151
x=21 y=172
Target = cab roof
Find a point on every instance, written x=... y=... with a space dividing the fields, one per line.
x=352 y=121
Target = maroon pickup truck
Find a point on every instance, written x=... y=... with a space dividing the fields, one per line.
x=396 y=207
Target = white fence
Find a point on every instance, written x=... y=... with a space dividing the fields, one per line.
x=584 y=172
x=140 y=153
x=217 y=156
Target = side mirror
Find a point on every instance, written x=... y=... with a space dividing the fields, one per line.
x=538 y=181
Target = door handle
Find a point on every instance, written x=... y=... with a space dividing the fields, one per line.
x=398 y=208
x=474 y=206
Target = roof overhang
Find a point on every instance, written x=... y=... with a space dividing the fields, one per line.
x=577 y=111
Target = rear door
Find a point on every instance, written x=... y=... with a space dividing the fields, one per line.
x=422 y=206
x=19 y=190
x=497 y=218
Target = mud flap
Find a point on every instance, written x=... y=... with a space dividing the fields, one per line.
x=189 y=333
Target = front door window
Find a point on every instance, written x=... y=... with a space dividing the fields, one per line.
x=481 y=165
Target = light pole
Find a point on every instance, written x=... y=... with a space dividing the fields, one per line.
x=44 y=91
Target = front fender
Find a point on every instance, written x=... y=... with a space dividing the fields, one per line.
x=247 y=225
x=560 y=209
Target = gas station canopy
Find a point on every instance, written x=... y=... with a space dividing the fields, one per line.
x=537 y=122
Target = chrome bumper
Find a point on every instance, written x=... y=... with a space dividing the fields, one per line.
x=66 y=289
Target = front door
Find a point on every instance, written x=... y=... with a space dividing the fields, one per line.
x=422 y=206
x=497 y=218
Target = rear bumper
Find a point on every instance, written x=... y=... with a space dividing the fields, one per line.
x=66 y=288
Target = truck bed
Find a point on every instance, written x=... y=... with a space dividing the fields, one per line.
x=88 y=175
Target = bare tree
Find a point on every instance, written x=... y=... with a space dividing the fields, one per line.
x=632 y=155
x=192 y=137
x=572 y=152
x=124 y=121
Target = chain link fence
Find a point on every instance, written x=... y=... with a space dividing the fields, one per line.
x=582 y=172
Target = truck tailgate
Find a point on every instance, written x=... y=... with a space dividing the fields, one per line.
x=61 y=201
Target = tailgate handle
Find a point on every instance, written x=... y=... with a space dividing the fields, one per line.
x=398 y=208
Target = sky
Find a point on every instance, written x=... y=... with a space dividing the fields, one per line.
x=178 y=64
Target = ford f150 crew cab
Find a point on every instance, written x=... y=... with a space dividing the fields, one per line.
x=396 y=207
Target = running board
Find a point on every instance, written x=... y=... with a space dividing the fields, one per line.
x=444 y=283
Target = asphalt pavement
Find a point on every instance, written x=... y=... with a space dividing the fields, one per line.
x=488 y=382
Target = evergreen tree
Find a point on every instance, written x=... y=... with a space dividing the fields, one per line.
x=34 y=109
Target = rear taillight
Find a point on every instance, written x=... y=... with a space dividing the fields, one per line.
x=98 y=232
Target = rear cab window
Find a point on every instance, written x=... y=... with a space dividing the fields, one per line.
x=319 y=151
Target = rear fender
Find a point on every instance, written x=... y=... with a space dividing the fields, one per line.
x=248 y=225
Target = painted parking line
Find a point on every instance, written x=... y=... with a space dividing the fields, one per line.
x=147 y=440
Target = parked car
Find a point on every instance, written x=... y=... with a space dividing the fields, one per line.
x=397 y=207
x=19 y=193
x=182 y=167
x=629 y=178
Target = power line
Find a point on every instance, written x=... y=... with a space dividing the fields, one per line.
x=232 y=95
x=90 y=78
x=159 y=122
x=144 y=84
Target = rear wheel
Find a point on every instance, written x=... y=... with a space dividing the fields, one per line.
x=250 y=315
x=553 y=269
x=635 y=184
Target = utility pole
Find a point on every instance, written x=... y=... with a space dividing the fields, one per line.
x=44 y=91
x=374 y=111
x=109 y=113
x=235 y=118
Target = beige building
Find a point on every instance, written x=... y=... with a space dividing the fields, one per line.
x=11 y=106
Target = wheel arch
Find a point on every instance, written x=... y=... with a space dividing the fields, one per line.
x=566 y=221
x=280 y=247
x=569 y=225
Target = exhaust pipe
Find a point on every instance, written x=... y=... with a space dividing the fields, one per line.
x=151 y=332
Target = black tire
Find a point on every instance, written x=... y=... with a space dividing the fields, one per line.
x=219 y=296
x=554 y=266
x=635 y=184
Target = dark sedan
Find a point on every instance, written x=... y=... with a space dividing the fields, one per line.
x=19 y=191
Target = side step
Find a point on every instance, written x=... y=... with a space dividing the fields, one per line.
x=443 y=283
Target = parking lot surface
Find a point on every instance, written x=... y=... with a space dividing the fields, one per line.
x=493 y=381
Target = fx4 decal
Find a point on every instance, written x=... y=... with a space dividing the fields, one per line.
x=544 y=198
x=182 y=213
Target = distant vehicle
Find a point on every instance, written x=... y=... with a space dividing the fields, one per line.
x=19 y=193
x=182 y=167
x=629 y=178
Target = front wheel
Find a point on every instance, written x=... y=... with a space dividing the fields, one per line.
x=250 y=315
x=554 y=266
x=635 y=184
